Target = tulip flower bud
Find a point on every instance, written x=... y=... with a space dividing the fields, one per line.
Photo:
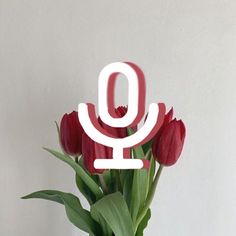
x=168 y=143
x=117 y=132
x=71 y=133
x=91 y=151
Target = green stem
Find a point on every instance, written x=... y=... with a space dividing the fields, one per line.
x=149 y=198
x=103 y=183
x=113 y=186
x=77 y=159
x=118 y=181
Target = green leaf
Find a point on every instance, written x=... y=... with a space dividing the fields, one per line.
x=78 y=216
x=83 y=188
x=114 y=211
x=140 y=186
x=127 y=180
x=106 y=230
x=93 y=176
x=143 y=224
x=92 y=185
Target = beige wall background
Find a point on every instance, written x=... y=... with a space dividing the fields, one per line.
x=50 y=55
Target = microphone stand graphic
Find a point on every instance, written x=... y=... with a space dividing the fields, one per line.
x=135 y=112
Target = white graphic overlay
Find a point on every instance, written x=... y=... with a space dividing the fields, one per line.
x=118 y=144
x=133 y=94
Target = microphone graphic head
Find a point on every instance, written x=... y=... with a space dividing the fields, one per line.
x=136 y=94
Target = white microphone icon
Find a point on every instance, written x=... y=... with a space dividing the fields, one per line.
x=135 y=112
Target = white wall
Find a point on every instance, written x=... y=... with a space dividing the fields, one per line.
x=50 y=55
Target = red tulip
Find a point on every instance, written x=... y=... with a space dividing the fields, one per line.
x=117 y=132
x=168 y=143
x=121 y=111
x=92 y=150
x=167 y=120
x=71 y=133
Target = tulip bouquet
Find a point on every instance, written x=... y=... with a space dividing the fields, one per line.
x=119 y=199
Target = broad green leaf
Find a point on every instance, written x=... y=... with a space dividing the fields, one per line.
x=139 y=192
x=53 y=195
x=127 y=180
x=92 y=185
x=83 y=188
x=78 y=216
x=143 y=224
x=140 y=184
x=114 y=211
x=105 y=228
x=93 y=176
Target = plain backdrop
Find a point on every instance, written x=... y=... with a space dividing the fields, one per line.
x=50 y=55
